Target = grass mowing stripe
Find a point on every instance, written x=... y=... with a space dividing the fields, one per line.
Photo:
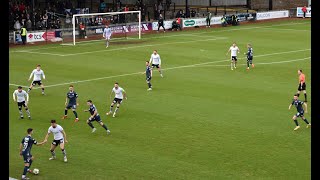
x=178 y=67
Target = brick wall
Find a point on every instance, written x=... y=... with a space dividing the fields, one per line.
x=277 y=4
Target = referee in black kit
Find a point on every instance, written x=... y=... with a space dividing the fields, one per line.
x=160 y=23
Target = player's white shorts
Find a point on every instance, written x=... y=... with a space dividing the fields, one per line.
x=108 y=37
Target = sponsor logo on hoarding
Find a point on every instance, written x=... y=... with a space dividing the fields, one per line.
x=189 y=22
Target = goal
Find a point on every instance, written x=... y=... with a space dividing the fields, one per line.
x=124 y=25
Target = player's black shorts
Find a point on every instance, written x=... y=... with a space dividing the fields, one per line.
x=20 y=104
x=301 y=88
x=71 y=106
x=96 y=118
x=36 y=82
x=117 y=100
x=57 y=142
x=249 y=58
x=155 y=65
x=26 y=157
x=300 y=114
x=148 y=78
x=234 y=58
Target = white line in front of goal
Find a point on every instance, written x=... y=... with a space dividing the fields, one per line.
x=177 y=67
x=268 y=63
x=184 y=34
x=148 y=45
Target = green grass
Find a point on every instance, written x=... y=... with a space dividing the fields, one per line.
x=200 y=121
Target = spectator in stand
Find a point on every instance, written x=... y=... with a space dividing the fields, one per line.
x=179 y=14
x=45 y=20
x=193 y=13
x=304 y=10
x=29 y=25
x=99 y=20
x=168 y=3
x=126 y=8
x=58 y=24
x=39 y=25
x=155 y=11
x=17 y=25
x=102 y=6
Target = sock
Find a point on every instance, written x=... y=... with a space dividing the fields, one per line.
x=295 y=121
x=305 y=120
x=64 y=152
x=91 y=125
x=247 y=63
x=149 y=84
x=107 y=43
x=28 y=112
x=75 y=113
x=42 y=89
x=53 y=153
x=105 y=127
x=305 y=97
x=115 y=111
x=65 y=112
x=20 y=112
x=160 y=72
x=231 y=65
x=25 y=170
x=29 y=89
x=298 y=94
x=30 y=162
x=111 y=108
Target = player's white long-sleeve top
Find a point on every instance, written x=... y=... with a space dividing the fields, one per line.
x=21 y=96
x=57 y=132
x=234 y=50
x=107 y=32
x=37 y=75
x=155 y=59
x=118 y=92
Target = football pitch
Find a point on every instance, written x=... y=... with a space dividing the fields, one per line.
x=200 y=121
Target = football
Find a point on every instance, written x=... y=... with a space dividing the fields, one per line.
x=35 y=171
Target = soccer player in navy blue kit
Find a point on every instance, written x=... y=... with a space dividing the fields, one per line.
x=249 y=56
x=95 y=117
x=300 y=112
x=72 y=96
x=25 y=152
x=148 y=73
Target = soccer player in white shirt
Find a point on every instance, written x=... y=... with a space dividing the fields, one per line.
x=120 y=93
x=37 y=74
x=107 y=35
x=21 y=100
x=155 y=61
x=59 y=138
x=234 y=51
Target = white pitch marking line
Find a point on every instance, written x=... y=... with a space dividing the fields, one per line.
x=43 y=53
x=148 y=45
x=268 y=63
x=196 y=33
x=178 y=67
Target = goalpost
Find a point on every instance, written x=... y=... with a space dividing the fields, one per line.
x=122 y=24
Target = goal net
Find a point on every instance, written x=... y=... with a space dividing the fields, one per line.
x=88 y=28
